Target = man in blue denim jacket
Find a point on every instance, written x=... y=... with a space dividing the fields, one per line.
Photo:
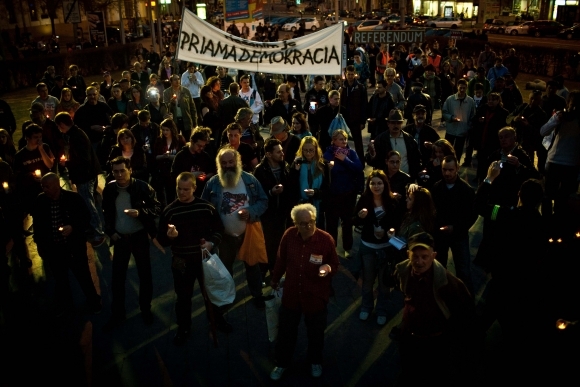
x=239 y=198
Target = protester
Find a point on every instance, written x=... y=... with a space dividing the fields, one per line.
x=378 y=211
x=308 y=258
x=346 y=181
x=130 y=209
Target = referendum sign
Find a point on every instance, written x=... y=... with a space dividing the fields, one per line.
x=318 y=53
x=378 y=37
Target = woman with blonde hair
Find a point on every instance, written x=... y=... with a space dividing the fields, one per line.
x=309 y=172
x=67 y=103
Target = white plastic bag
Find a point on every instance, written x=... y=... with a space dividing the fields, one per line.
x=219 y=284
x=273 y=301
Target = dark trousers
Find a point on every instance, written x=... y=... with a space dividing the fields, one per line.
x=185 y=132
x=356 y=132
x=183 y=282
x=228 y=250
x=560 y=182
x=138 y=245
x=461 y=256
x=274 y=229
x=288 y=332
x=341 y=207
x=458 y=144
x=197 y=103
x=542 y=157
x=59 y=261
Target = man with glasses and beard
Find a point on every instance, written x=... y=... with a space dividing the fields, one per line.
x=240 y=199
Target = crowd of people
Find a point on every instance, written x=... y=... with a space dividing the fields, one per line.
x=187 y=167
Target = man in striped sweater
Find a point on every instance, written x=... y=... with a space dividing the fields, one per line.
x=188 y=225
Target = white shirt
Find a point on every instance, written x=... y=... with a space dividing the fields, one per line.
x=232 y=201
x=194 y=84
x=254 y=101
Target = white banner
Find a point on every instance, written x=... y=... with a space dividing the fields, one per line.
x=318 y=53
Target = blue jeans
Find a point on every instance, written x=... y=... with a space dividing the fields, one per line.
x=87 y=191
x=461 y=257
x=374 y=263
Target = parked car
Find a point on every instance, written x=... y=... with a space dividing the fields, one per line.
x=540 y=28
x=501 y=29
x=281 y=21
x=521 y=29
x=449 y=22
x=490 y=23
x=331 y=19
x=570 y=33
x=368 y=25
x=310 y=23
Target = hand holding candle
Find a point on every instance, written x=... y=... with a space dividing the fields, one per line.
x=132 y=212
x=37 y=173
x=172 y=231
x=309 y=192
x=244 y=214
x=363 y=213
x=6 y=186
x=323 y=270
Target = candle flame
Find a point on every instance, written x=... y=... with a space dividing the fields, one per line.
x=5 y=185
x=562 y=325
x=578 y=235
x=559 y=240
x=550 y=240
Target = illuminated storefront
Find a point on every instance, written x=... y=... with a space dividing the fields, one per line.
x=443 y=8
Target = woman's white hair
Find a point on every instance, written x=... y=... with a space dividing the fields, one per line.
x=302 y=207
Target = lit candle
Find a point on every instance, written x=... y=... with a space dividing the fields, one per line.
x=559 y=240
x=578 y=235
x=174 y=95
x=550 y=240
x=240 y=212
x=322 y=272
x=392 y=230
x=332 y=163
x=37 y=173
x=5 y=185
x=442 y=228
x=60 y=229
x=62 y=158
x=561 y=324
x=126 y=211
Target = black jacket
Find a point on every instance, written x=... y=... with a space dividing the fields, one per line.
x=277 y=108
x=455 y=206
x=353 y=98
x=379 y=109
x=427 y=133
x=228 y=108
x=74 y=212
x=142 y=199
x=491 y=128
x=383 y=147
x=82 y=162
x=278 y=205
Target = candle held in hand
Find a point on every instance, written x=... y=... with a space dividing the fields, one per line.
x=5 y=185
x=37 y=173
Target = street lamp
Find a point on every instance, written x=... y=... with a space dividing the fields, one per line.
x=201 y=11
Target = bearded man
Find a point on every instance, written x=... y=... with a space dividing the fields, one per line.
x=239 y=199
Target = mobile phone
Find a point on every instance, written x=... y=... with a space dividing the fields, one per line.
x=298 y=161
x=313 y=106
x=501 y=165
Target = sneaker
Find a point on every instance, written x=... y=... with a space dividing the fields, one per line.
x=381 y=320
x=276 y=373
x=181 y=336
x=147 y=317
x=113 y=323
x=364 y=316
x=224 y=327
x=259 y=302
x=98 y=241
x=316 y=370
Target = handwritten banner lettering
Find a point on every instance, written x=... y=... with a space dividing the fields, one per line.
x=318 y=53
